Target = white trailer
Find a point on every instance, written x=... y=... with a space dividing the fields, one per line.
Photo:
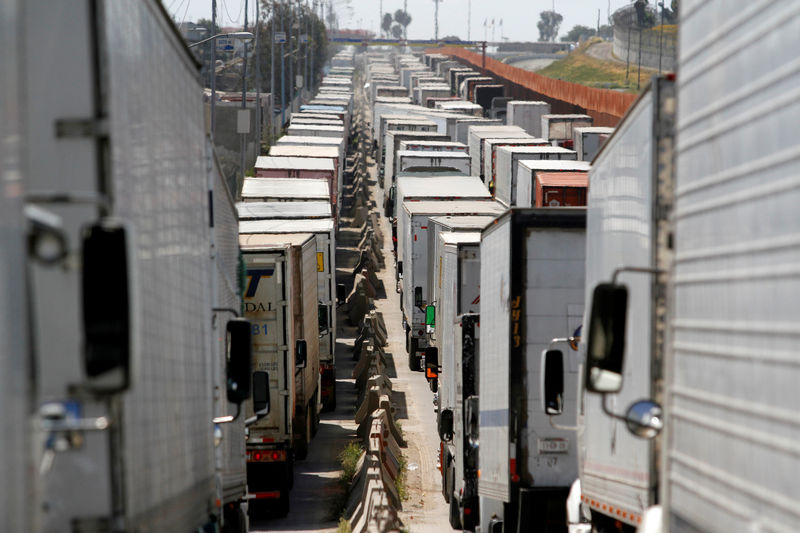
x=629 y=184
x=457 y=267
x=296 y=210
x=430 y=90
x=117 y=369
x=412 y=231
x=492 y=144
x=728 y=451
x=461 y=127
x=477 y=134
x=428 y=186
x=532 y=287
x=281 y=301
x=311 y=130
x=436 y=146
x=324 y=231
x=559 y=128
x=285 y=190
x=393 y=140
x=508 y=158
x=527 y=171
x=461 y=107
x=588 y=141
x=417 y=161
x=527 y=115
x=315 y=142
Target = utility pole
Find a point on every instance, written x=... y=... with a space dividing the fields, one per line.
x=380 y=18
x=259 y=117
x=291 y=57
x=272 y=68
x=313 y=46
x=243 y=141
x=436 y=21
x=283 y=77
x=405 y=26
x=469 y=18
x=213 y=66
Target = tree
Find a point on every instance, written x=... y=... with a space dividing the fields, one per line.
x=578 y=33
x=403 y=19
x=304 y=18
x=606 y=31
x=386 y=25
x=397 y=31
x=548 y=25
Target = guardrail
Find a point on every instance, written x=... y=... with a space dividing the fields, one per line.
x=373 y=501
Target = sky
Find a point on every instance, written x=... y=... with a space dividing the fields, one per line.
x=519 y=17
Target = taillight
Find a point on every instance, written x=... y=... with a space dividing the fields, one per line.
x=275 y=456
x=467 y=511
x=257 y=456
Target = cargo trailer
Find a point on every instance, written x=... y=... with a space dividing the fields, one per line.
x=527 y=115
x=559 y=128
x=492 y=144
x=477 y=135
x=531 y=289
x=280 y=300
x=418 y=161
x=529 y=182
x=412 y=226
x=285 y=190
x=588 y=141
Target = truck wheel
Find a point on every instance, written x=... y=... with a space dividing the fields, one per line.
x=455 y=513
x=282 y=506
x=413 y=358
x=235 y=521
x=301 y=451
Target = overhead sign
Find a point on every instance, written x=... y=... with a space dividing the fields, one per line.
x=280 y=37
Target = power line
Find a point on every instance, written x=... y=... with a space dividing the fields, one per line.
x=189 y=3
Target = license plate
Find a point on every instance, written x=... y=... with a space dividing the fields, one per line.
x=553 y=445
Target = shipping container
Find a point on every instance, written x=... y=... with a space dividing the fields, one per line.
x=418 y=161
x=492 y=144
x=561 y=189
x=285 y=190
x=559 y=128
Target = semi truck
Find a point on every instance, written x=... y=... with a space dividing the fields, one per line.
x=559 y=128
x=280 y=300
x=477 y=135
x=285 y=190
x=413 y=257
x=416 y=161
x=588 y=141
x=530 y=183
x=507 y=164
x=527 y=115
x=282 y=221
x=109 y=356
x=457 y=278
x=532 y=287
x=631 y=181
x=492 y=144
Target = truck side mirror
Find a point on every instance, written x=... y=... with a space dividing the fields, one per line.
x=239 y=359
x=322 y=317
x=552 y=382
x=261 y=393
x=472 y=417
x=446 y=425
x=106 y=328
x=431 y=363
x=341 y=295
x=430 y=318
x=417 y=296
x=605 y=347
x=300 y=353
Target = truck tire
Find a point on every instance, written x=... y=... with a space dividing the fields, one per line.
x=301 y=449
x=235 y=521
x=317 y=415
x=413 y=358
x=455 y=513
x=282 y=505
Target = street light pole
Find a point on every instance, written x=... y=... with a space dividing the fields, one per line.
x=213 y=67
x=283 y=78
x=243 y=142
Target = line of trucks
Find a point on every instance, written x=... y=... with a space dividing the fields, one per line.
x=619 y=359
x=164 y=352
x=288 y=219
